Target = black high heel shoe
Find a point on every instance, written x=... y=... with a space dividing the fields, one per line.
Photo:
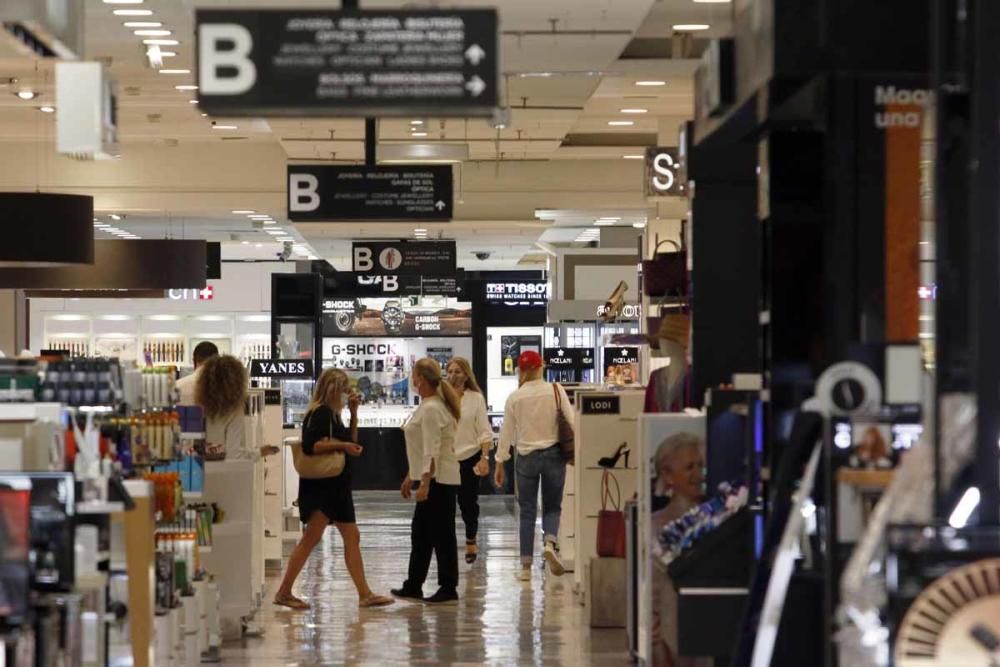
x=612 y=461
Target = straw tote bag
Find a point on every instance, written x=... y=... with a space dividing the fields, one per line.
x=317 y=466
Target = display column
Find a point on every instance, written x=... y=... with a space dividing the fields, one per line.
x=13 y=322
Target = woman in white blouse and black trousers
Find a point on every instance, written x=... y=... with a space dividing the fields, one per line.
x=433 y=479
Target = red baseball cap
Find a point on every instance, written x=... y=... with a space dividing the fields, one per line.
x=529 y=360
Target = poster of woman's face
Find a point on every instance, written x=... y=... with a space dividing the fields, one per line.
x=672 y=464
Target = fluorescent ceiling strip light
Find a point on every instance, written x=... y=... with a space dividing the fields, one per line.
x=160 y=42
x=175 y=71
x=621 y=123
x=152 y=33
x=142 y=24
x=690 y=27
x=244 y=212
x=650 y=83
x=186 y=86
x=133 y=12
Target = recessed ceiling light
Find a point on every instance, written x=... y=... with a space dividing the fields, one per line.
x=416 y=122
x=243 y=212
x=123 y=2
x=420 y=229
x=639 y=225
x=244 y=243
x=204 y=115
x=167 y=54
x=175 y=71
x=284 y=239
x=258 y=245
x=690 y=27
x=621 y=123
x=47 y=109
x=115 y=216
x=269 y=222
x=26 y=94
x=133 y=12
x=633 y=157
x=225 y=127
x=418 y=134
x=258 y=216
x=712 y=2
x=192 y=101
x=160 y=32
x=635 y=110
x=274 y=232
x=142 y=24
x=604 y=223
x=186 y=86
x=650 y=83
x=612 y=218
x=160 y=42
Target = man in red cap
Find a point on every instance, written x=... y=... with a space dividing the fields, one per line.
x=530 y=423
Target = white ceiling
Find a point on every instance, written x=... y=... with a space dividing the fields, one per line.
x=179 y=177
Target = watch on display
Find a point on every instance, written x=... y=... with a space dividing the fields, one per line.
x=392 y=316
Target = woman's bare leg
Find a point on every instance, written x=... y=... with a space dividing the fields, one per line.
x=352 y=557
x=311 y=536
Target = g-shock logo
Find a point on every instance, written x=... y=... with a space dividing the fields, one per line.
x=361 y=349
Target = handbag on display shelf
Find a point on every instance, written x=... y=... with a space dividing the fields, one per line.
x=610 y=522
x=666 y=272
x=316 y=466
x=564 y=431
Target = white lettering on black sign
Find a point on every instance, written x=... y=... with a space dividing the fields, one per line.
x=888 y=95
x=600 y=405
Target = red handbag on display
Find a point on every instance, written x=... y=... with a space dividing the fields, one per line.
x=610 y=522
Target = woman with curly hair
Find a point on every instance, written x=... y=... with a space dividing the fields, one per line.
x=221 y=392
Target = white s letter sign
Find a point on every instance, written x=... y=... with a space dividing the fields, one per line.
x=239 y=43
x=663 y=165
x=302 y=192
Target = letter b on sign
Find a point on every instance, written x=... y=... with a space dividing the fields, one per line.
x=303 y=195
x=224 y=48
x=363 y=259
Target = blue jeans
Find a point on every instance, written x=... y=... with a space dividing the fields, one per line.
x=546 y=468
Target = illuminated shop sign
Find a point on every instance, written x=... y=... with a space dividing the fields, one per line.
x=206 y=294
x=569 y=358
x=518 y=293
x=281 y=368
x=630 y=311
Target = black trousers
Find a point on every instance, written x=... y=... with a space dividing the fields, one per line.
x=433 y=531
x=468 y=496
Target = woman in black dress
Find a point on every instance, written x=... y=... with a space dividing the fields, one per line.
x=329 y=500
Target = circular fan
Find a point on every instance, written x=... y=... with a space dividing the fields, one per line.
x=955 y=620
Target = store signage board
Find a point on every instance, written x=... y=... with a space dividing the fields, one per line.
x=397 y=62
x=600 y=405
x=664 y=174
x=621 y=355
x=517 y=293
x=569 y=358
x=325 y=193
x=343 y=317
x=281 y=368
x=404 y=258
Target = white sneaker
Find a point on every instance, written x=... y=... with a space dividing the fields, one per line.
x=552 y=558
x=525 y=573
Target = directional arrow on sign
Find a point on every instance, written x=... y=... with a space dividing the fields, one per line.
x=476 y=86
x=475 y=54
x=440 y=205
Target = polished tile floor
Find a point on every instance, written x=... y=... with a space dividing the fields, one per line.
x=499 y=620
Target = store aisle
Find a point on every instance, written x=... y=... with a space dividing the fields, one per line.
x=499 y=620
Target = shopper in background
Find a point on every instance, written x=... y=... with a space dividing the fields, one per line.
x=203 y=351
x=473 y=439
x=434 y=479
x=326 y=501
x=529 y=421
x=680 y=463
x=221 y=392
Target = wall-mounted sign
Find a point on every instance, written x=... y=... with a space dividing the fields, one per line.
x=630 y=311
x=397 y=62
x=281 y=368
x=569 y=358
x=664 y=175
x=395 y=317
x=620 y=365
x=517 y=293
x=207 y=293
x=351 y=284
x=327 y=192
x=621 y=355
x=600 y=405
x=413 y=258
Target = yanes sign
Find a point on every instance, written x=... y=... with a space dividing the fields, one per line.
x=281 y=368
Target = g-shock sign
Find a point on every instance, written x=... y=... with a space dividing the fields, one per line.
x=363 y=349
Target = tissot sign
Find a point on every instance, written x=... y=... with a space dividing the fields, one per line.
x=515 y=293
x=281 y=368
x=315 y=62
x=664 y=176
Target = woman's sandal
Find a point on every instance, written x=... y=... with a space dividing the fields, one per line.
x=375 y=600
x=471 y=551
x=291 y=602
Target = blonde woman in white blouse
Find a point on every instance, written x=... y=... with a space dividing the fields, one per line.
x=473 y=441
x=433 y=479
